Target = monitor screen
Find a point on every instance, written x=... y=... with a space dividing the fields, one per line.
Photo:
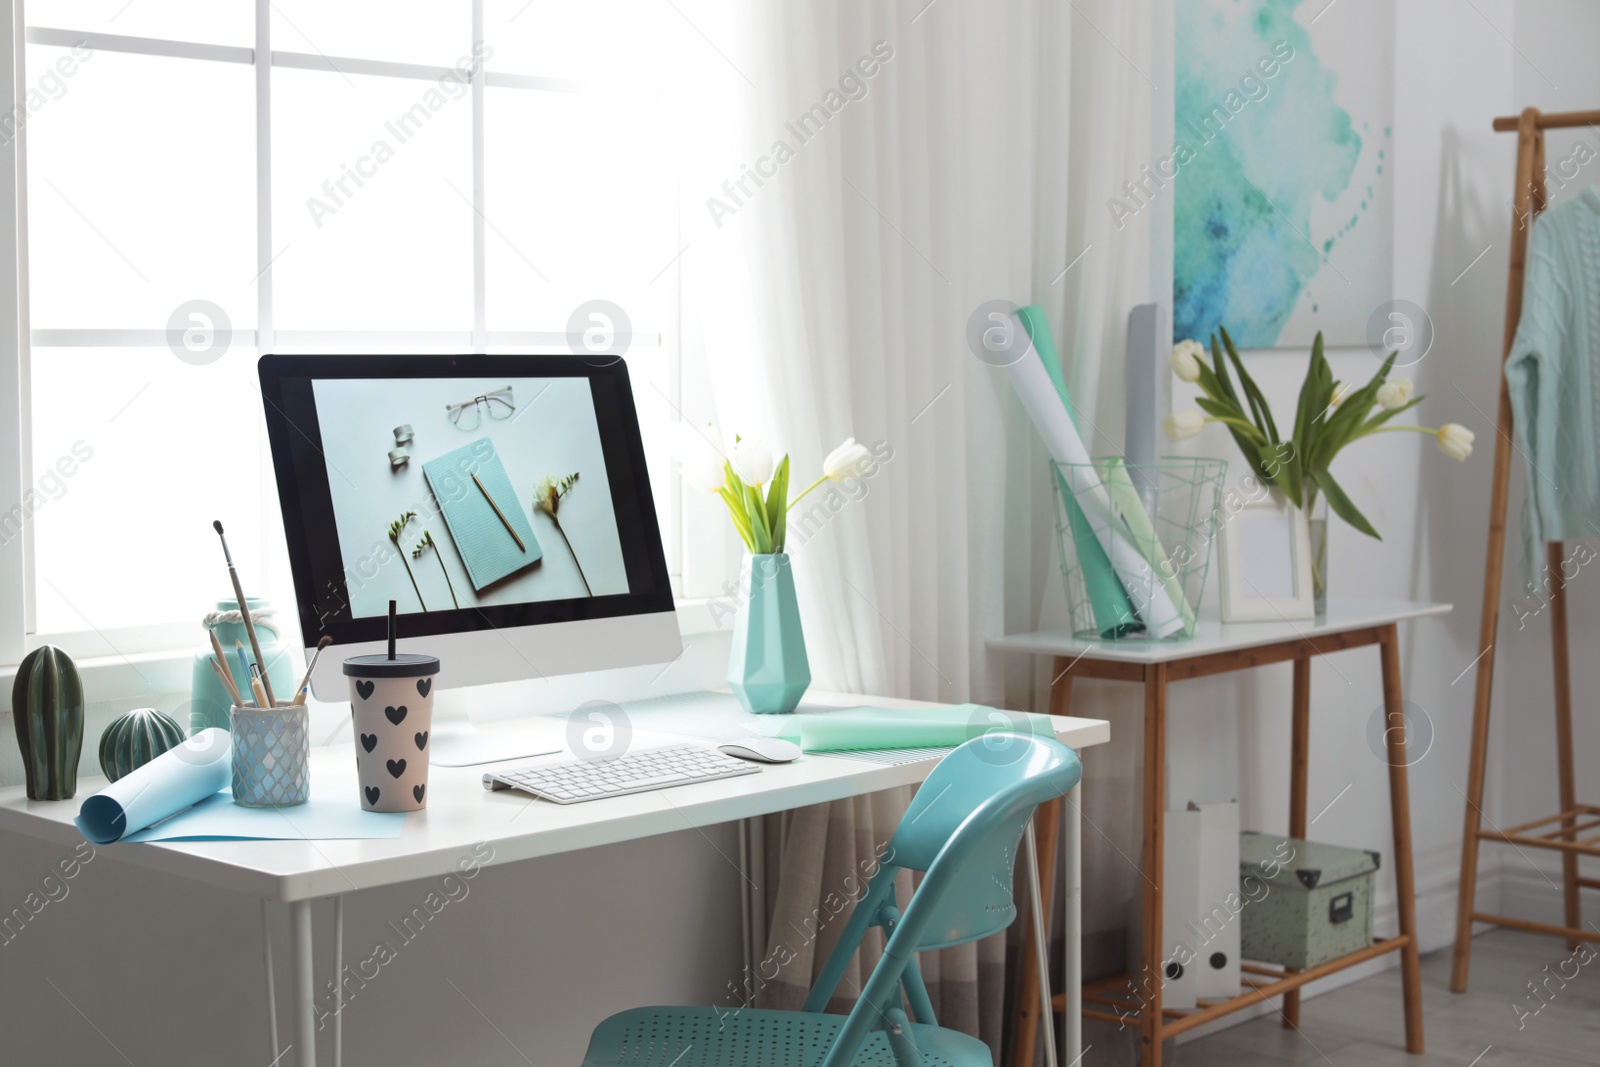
x=477 y=492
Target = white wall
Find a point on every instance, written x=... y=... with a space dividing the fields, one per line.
x=1457 y=67
x=171 y=972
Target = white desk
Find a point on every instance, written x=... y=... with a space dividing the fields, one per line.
x=462 y=817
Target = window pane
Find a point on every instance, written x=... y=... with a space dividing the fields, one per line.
x=600 y=41
x=135 y=453
x=580 y=206
x=372 y=212
x=212 y=21
x=136 y=209
x=434 y=32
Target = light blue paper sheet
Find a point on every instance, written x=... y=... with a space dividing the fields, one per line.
x=322 y=818
x=172 y=781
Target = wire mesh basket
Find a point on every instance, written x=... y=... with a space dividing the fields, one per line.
x=1135 y=543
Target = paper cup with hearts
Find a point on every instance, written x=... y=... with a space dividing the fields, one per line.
x=391 y=708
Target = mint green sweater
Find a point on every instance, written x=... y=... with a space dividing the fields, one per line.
x=1553 y=379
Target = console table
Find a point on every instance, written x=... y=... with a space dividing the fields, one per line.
x=1218 y=648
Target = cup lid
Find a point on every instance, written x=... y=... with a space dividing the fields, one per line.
x=404 y=665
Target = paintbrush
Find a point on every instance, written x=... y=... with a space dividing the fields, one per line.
x=227 y=682
x=244 y=611
x=222 y=663
x=305 y=683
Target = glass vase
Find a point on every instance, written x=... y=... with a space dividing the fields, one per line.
x=1317 y=522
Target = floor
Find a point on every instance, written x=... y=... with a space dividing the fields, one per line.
x=1361 y=1024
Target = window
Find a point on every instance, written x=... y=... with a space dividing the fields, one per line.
x=207 y=181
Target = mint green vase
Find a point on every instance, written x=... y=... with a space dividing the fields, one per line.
x=210 y=703
x=767 y=669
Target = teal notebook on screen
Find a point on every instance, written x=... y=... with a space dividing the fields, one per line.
x=488 y=548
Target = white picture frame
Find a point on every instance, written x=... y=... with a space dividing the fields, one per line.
x=1264 y=560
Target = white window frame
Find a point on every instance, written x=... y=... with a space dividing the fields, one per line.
x=150 y=646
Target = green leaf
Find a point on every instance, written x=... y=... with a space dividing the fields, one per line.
x=1221 y=370
x=1257 y=399
x=1341 y=505
x=777 y=505
x=1314 y=390
x=1349 y=417
x=1384 y=416
x=740 y=523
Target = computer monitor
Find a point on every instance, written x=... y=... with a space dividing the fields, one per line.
x=501 y=501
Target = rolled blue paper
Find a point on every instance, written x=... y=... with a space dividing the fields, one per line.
x=165 y=786
x=1113 y=612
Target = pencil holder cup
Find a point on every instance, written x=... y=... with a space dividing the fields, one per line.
x=391 y=710
x=271 y=756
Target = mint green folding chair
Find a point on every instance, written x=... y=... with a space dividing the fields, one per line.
x=962 y=830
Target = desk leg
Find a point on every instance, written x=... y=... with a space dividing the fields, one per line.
x=1072 y=927
x=1299 y=764
x=1400 y=809
x=1028 y=1004
x=305 y=985
x=1155 y=805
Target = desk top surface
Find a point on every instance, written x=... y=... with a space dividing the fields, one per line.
x=1214 y=635
x=464 y=821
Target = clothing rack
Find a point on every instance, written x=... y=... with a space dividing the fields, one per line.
x=1560 y=832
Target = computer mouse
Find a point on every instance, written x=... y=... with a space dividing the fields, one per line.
x=762 y=749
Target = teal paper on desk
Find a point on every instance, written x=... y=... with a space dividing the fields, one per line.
x=879 y=728
x=487 y=549
x=329 y=818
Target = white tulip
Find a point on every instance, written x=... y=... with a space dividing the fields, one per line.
x=1184 y=424
x=1185 y=361
x=752 y=460
x=847 y=460
x=1395 y=394
x=698 y=459
x=1340 y=391
x=1455 y=440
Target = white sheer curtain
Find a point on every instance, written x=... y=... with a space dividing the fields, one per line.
x=831 y=299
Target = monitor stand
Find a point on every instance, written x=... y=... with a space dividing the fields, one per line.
x=456 y=742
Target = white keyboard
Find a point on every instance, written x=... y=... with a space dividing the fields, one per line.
x=575 y=781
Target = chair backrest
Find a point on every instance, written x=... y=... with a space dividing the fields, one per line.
x=962 y=830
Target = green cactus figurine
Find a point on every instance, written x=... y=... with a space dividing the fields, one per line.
x=47 y=707
x=135 y=739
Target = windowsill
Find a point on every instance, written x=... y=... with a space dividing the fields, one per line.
x=144 y=675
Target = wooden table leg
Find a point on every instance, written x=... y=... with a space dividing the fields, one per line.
x=1029 y=1008
x=1155 y=806
x=1555 y=561
x=1299 y=764
x=1400 y=810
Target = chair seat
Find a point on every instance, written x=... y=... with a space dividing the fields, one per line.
x=706 y=1037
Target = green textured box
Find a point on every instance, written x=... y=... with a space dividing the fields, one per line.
x=1306 y=906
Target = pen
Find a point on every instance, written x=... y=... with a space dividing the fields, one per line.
x=497 y=511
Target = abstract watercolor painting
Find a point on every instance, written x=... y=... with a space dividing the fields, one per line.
x=1282 y=208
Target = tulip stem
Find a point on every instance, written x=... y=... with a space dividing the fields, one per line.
x=806 y=490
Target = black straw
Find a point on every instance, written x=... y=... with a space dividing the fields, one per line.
x=391 y=629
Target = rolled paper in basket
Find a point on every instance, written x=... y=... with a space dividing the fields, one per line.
x=1048 y=407
x=1129 y=505
x=1113 y=611
x=165 y=786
